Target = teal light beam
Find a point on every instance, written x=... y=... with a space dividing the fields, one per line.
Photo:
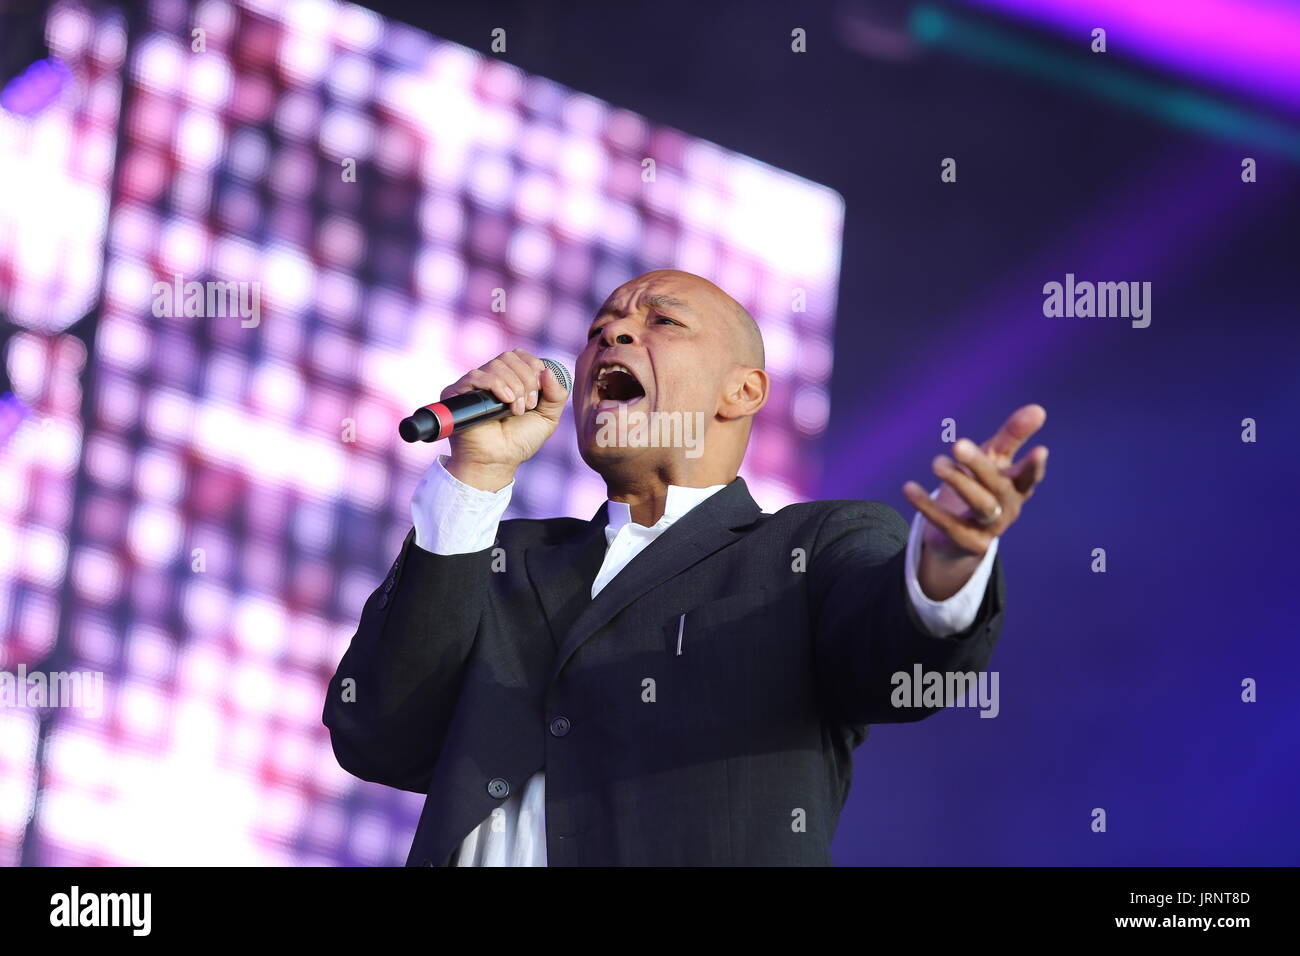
x=1175 y=105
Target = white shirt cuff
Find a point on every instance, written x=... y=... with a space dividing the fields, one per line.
x=450 y=517
x=947 y=617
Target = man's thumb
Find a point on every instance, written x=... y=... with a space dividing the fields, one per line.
x=553 y=395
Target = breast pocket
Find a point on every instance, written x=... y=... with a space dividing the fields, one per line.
x=716 y=626
x=709 y=681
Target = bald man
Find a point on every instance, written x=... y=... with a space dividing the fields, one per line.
x=683 y=679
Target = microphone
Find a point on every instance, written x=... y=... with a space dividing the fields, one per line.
x=465 y=410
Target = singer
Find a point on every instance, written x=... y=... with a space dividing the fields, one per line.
x=683 y=679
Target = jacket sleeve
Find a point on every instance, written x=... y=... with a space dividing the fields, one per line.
x=864 y=627
x=390 y=700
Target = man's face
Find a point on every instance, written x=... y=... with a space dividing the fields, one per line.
x=662 y=342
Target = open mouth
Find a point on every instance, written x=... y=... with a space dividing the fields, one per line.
x=616 y=383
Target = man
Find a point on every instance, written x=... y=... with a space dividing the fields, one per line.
x=683 y=679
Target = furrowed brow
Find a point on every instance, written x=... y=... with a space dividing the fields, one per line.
x=667 y=302
x=654 y=301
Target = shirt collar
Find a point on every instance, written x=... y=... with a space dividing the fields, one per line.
x=680 y=500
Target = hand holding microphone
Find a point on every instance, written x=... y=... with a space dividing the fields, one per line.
x=498 y=416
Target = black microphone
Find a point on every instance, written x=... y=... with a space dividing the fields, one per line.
x=465 y=410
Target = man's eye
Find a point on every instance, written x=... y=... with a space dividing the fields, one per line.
x=592 y=334
x=664 y=318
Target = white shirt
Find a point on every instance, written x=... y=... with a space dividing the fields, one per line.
x=450 y=517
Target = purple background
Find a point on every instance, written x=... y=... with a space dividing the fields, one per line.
x=1119 y=690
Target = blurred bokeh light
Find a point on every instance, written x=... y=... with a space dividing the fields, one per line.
x=240 y=488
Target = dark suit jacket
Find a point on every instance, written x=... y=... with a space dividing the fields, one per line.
x=473 y=671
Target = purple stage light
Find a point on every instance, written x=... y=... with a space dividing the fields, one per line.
x=1252 y=46
x=244 y=484
x=35 y=88
x=12 y=412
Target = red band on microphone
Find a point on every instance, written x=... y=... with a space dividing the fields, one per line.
x=445 y=422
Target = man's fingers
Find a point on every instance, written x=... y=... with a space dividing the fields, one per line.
x=479 y=378
x=526 y=369
x=518 y=378
x=980 y=499
x=985 y=479
x=1029 y=471
x=516 y=375
x=552 y=391
x=984 y=469
x=499 y=379
x=543 y=385
x=1015 y=431
x=959 y=532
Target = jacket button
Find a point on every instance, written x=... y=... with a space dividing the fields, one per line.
x=560 y=726
x=498 y=787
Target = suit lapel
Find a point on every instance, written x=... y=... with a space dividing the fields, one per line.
x=562 y=573
x=705 y=529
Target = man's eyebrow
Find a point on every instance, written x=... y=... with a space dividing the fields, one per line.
x=667 y=302
x=654 y=301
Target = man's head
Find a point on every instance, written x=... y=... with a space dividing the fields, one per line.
x=674 y=352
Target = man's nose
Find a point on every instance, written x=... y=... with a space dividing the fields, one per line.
x=618 y=332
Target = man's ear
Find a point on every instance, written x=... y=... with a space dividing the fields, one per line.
x=745 y=395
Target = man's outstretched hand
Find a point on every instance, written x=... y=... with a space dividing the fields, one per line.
x=981 y=496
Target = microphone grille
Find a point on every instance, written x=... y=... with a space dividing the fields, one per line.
x=560 y=372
